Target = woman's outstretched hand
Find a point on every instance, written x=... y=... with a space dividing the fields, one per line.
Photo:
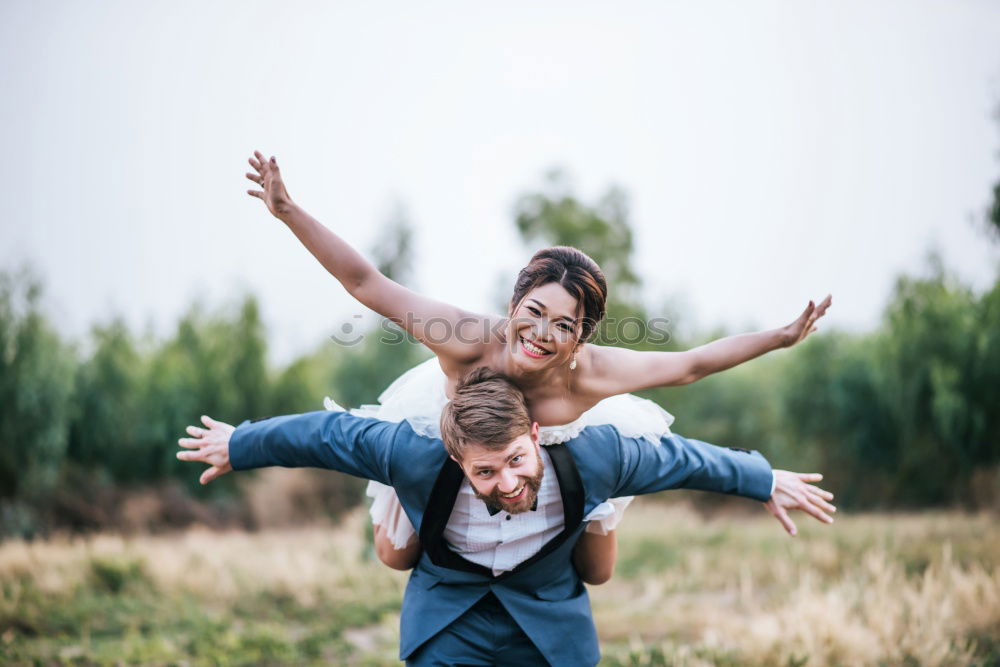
x=208 y=445
x=806 y=323
x=268 y=177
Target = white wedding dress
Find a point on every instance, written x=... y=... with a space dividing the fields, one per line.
x=418 y=397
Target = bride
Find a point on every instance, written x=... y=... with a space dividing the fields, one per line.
x=541 y=345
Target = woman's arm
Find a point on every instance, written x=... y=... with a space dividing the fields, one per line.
x=594 y=557
x=450 y=332
x=614 y=370
x=398 y=559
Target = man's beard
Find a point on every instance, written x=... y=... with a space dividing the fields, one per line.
x=531 y=487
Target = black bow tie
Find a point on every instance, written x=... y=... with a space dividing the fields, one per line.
x=496 y=510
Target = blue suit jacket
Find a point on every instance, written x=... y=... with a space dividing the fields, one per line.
x=544 y=594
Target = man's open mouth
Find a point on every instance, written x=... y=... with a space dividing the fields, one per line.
x=516 y=495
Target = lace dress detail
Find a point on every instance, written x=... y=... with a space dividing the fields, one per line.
x=418 y=397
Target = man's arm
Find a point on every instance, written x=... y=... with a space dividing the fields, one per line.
x=678 y=462
x=335 y=440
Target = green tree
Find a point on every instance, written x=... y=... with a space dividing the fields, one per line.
x=104 y=433
x=993 y=215
x=301 y=386
x=36 y=378
x=214 y=364
x=905 y=416
x=942 y=355
x=993 y=211
x=555 y=216
x=835 y=412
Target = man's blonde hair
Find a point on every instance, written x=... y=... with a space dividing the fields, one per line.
x=486 y=410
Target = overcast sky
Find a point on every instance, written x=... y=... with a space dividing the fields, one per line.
x=772 y=151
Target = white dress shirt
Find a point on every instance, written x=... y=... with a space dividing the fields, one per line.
x=503 y=541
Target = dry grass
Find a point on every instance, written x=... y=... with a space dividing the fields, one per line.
x=222 y=567
x=890 y=589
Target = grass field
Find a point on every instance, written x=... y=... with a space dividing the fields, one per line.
x=871 y=589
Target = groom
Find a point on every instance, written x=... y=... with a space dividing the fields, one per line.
x=497 y=515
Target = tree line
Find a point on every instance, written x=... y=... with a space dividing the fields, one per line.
x=905 y=415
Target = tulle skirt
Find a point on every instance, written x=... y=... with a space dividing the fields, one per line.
x=418 y=397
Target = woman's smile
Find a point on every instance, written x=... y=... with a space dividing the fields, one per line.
x=533 y=350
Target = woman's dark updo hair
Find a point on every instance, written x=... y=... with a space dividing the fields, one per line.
x=577 y=273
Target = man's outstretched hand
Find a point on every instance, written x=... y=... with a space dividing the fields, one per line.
x=209 y=445
x=793 y=491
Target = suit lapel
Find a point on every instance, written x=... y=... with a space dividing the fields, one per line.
x=570 y=484
x=445 y=492
x=432 y=526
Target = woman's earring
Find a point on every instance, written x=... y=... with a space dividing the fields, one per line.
x=572 y=364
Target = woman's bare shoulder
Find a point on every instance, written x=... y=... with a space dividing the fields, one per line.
x=486 y=345
x=590 y=376
x=467 y=340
